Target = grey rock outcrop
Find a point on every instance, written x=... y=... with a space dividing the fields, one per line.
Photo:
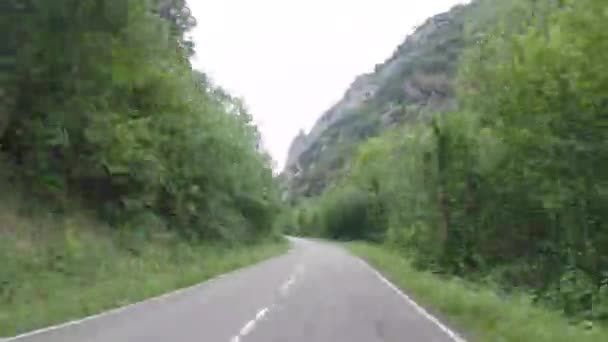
x=416 y=80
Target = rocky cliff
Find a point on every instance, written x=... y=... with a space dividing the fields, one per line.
x=413 y=83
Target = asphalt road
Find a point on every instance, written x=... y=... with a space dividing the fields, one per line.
x=315 y=293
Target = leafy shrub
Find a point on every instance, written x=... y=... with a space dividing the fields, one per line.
x=110 y=113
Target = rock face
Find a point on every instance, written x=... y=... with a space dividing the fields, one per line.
x=298 y=145
x=362 y=89
x=414 y=82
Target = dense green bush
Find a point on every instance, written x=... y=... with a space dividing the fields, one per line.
x=100 y=104
x=347 y=213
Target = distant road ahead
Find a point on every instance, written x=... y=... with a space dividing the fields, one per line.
x=315 y=293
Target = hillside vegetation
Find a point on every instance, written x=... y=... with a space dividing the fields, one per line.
x=101 y=104
x=118 y=160
x=510 y=187
x=57 y=268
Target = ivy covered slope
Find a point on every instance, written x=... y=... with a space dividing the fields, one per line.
x=418 y=79
x=508 y=188
x=116 y=155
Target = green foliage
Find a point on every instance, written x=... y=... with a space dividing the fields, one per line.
x=347 y=213
x=59 y=268
x=511 y=188
x=106 y=108
x=100 y=111
x=59 y=262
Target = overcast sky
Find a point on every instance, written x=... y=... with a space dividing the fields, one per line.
x=292 y=60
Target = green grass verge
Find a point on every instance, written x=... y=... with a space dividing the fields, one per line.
x=49 y=276
x=478 y=311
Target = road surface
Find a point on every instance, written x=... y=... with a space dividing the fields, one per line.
x=317 y=292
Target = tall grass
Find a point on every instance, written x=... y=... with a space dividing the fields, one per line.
x=58 y=267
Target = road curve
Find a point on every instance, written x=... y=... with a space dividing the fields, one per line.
x=315 y=293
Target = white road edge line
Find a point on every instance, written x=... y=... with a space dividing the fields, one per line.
x=112 y=311
x=129 y=306
x=453 y=335
x=126 y=307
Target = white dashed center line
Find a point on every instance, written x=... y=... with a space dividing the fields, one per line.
x=286 y=285
x=261 y=314
x=248 y=328
x=284 y=290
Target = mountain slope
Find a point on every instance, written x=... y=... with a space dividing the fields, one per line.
x=413 y=83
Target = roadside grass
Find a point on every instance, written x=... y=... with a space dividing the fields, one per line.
x=477 y=310
x=54 y=270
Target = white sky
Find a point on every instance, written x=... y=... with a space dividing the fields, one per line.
x=292 y=60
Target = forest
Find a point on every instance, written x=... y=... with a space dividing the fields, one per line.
x=124 y=172
x=511 y=188
x=102 y=107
